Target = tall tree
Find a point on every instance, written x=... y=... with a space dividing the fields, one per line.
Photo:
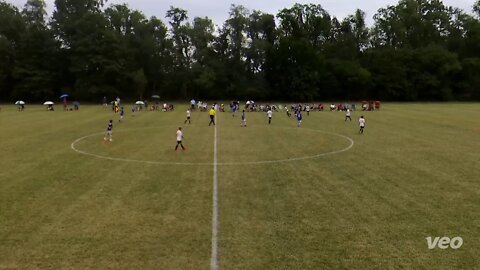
x=180 y=30
x=12 y=26
x=36 y=71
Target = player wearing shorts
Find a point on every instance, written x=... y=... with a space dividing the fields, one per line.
x=269 y=114
x=179 y=139
x=192 y=104
x=288 y=113
x=348 y=115
x=108 y=135
x=244 y=119
x=188 y=117
x=299 y=118
x=122 y=113
x=361 y=122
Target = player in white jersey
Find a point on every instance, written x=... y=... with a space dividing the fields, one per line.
x=361 y=122
x=269 y=114
x=348 y=115
x=189 y=114
x=179 y=139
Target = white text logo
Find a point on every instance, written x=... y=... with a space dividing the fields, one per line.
x=444 y=242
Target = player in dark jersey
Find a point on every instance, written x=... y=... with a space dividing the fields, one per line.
x=244 y=119
x=299 y=118
x=108 y=135
x=122 y=113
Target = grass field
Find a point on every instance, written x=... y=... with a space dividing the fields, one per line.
x=135 y=203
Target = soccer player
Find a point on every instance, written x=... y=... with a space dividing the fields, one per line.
x=192 y=104
x=188 y=117
x=108 y=135
x=115 y=106
x=288 y=113
x=269 y=113
x=244 y=119
x=361 y=122
x=122 y=113
x=299 y=118
x=307 y=109
x=348 y=115
x=212 y=116
x=234 y=108
x=179 y=139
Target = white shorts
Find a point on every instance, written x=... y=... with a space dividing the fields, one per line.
x=109 y=133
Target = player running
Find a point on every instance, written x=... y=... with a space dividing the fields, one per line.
x=179 y=139
x=244 y=119
x=212 y=116
x=269 y=114
x=361 y=122
x=348 y=115
x=188 y=117
x=108 y=135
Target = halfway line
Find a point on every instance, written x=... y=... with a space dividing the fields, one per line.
x=214 y=259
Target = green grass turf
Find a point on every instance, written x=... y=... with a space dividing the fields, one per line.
x=413 y=174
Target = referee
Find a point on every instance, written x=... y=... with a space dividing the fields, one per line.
x=212 y=116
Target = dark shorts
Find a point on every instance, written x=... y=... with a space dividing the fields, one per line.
x=188 y=117
x=178 y=142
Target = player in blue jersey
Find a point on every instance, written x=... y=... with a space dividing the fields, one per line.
x=299 y=118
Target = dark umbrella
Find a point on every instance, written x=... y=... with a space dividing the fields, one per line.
x=63 y=96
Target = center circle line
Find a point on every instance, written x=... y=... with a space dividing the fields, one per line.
x=261 y=162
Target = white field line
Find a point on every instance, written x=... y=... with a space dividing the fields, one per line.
x=214 y=258
x=262 y=162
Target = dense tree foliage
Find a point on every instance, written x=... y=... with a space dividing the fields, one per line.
x=415 y=50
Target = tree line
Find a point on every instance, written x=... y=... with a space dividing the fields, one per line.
x=416 y=50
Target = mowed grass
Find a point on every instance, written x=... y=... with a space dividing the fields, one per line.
x=413 y=174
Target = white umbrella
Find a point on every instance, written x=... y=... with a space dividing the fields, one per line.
x=20 y=102
x=48 y=103
x=139 y=103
